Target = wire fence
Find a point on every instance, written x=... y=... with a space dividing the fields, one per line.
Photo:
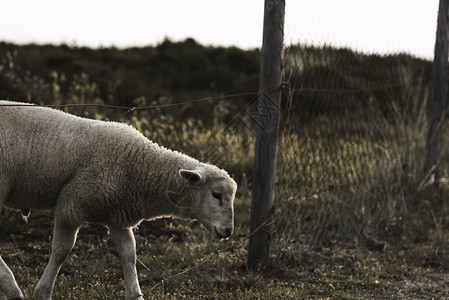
x=351 y=146
x=351 y=137
x=351 y=141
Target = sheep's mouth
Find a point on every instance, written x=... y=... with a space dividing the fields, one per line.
x=217 y=234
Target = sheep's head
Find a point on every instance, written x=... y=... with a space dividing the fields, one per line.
x=212 y=193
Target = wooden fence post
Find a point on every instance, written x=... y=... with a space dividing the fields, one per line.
x=259 y=251
x=437 y=98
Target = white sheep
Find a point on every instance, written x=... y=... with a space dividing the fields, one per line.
x=101 y=172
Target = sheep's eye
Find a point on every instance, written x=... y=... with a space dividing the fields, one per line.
x=217 y=196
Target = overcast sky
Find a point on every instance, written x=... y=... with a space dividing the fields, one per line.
x=385 y=26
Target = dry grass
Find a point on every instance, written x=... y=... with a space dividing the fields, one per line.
x=179 y=260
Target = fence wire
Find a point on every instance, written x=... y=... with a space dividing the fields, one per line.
x=351 y=140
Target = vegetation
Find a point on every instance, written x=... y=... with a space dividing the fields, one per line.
x=170 y=72
x=352 y=220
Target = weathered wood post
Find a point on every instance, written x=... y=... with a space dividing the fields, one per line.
x=259 y=251
x=437 y=98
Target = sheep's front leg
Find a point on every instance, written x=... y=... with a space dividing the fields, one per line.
x=126 y=248
x=63 y=241
x=8 y=284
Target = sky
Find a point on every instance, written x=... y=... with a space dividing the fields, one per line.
x=372 y=26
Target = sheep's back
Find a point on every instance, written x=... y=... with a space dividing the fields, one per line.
x=41 y=149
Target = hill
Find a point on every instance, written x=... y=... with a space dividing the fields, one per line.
x=172 y=72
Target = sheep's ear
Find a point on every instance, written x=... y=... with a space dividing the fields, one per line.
x=193 y=176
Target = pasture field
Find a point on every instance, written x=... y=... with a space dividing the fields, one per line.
x=179 y=260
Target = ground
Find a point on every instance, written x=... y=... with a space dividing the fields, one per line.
x=179 y=260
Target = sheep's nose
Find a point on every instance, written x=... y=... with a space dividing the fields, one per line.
x=223 y=233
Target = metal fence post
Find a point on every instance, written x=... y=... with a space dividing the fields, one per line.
x=259 y=251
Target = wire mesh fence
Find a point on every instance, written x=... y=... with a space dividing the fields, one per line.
x=352 y=136
x=351 y=131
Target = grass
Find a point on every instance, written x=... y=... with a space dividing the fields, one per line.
x=179 y=260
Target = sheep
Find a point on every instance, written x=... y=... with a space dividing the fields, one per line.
x=100 y=172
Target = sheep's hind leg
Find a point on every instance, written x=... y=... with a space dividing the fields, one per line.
x=63 y=241
x=8 y=284
x=126 y=248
